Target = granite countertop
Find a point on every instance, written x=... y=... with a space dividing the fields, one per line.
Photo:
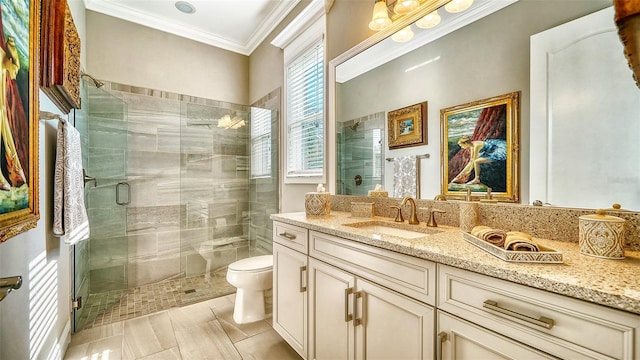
x=613 y=283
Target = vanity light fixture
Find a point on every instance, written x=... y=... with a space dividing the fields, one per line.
x=403 y=7
x=404 y=34
x=430 y=20
x=456 y=6
x=380 y=19
x=185 y=7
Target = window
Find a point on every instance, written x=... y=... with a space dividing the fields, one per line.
x=260 y=143
x=304 y=106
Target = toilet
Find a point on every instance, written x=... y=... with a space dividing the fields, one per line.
x=251 y=276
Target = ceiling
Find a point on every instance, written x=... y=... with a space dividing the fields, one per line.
x=235 y=25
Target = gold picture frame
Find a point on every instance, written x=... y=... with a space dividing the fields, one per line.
x=19 y=205
x=407 y=126
x=60 y=56
x=480 y=149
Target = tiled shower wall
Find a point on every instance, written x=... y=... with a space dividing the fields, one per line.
x=360 y=144
x=190 y=192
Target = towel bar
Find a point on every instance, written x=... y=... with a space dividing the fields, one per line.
x=424 y=156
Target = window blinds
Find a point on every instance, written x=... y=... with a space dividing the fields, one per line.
x=260 y=143
x=305 y=113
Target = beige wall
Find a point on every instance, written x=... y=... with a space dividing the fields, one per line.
x=128 y=53
x=266 y=68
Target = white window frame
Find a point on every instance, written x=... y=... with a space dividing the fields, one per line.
x=309 y=37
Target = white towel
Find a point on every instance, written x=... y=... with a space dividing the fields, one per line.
x=406 y=177
x=69 y=213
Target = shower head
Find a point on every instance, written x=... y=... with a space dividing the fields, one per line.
x=354 y=126
x=96 y=82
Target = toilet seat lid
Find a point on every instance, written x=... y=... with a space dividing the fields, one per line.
x=253 y=263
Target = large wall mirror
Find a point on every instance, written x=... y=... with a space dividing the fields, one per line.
x=478 y=54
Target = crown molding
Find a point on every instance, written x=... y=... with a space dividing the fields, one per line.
x=306 y=17
x=272 y=20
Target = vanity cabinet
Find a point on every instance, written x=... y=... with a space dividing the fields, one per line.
x=458 y=339
x=290 y=295
x=558 y=325
x=351 y=316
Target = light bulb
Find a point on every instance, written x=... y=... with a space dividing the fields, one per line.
x=430 y=20
x=403 y=7
x=456 y=6
x=403 y=35
x=380 y=18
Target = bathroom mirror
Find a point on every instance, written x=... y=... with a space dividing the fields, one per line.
x=467 y=57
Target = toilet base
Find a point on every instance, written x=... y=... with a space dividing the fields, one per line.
x=249 y=306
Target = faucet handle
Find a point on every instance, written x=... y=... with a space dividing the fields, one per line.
x=399 y=217
x=432 y=217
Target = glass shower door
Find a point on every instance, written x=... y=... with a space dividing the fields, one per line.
x=100 y=263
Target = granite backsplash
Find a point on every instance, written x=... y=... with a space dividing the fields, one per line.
x=545 y=222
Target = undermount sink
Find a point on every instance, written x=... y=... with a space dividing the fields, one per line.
x=394 y=229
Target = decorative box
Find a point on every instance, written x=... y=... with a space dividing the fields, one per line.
x=602 y=235
x=317 y=203
x=362 y=209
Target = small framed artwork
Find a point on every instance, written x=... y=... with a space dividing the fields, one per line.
x=480 y=149
x=407 y=126
x=19 y=211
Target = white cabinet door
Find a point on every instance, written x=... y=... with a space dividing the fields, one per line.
x=459 y=339
x=290 y=297
x=331 y=329
x=390 y=325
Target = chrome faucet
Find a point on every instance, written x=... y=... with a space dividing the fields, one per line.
x=413 y=219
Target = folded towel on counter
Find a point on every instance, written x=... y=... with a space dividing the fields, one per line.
x=519 y=241
x=496 y=237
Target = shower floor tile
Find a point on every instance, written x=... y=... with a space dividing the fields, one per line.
x=117 y=305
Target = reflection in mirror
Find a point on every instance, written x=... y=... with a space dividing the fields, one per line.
x=360 y=144
x=486 y=58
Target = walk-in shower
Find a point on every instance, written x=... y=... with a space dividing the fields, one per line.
x=176 y=198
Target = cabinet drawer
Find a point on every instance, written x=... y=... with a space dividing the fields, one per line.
x=405 y=274
x=291 y=236
x=559 y=325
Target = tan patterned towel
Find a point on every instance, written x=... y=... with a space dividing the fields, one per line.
x=69 y=213
x=519 y=241
x=493 y=236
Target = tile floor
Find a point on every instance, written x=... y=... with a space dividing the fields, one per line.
x=113 y=306
x=203 y=330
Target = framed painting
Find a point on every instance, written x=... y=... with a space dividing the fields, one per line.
x=480 y=149
x=60 y=55
x=19 y=118
x=407 y=126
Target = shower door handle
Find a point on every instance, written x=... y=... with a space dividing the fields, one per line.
x=118 y=186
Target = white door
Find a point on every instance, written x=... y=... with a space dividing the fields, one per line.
x=330 y=312
x=290 y=297
x=459 y=339
x=391 y=326
x=584 y=117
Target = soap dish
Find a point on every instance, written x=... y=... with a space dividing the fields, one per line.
x=544 y=256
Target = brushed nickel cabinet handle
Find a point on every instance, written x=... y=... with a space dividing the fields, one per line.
x=442 y=337
x=542 y=321
x=288 y=236
x=356 y=296
x=347 y=317
x=303 y=288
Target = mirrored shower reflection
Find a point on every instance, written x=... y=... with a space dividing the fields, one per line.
x=195 y=204
x=360 y=154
